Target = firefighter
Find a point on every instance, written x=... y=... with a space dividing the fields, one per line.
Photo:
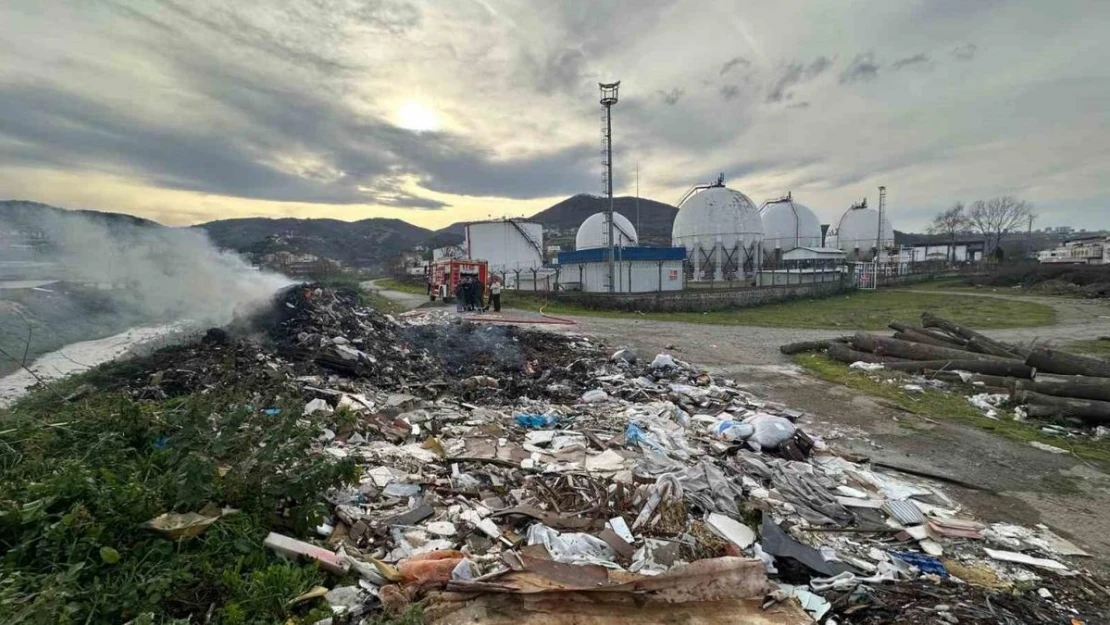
x=460 y=294
x=495 y=294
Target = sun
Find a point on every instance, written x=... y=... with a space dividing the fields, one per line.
x=418 y=116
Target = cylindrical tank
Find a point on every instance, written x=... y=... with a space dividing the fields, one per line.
x=594 y=232
x=788 y=224
x=857 y=232
x=722 y=233
x=507 y=245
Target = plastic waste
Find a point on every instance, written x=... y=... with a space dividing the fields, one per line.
x=926 y=564
x=663 y=361
x=731 y=430
x=572 y=548
x=595 y=396
x=430 y=568
x=769 y=431
x=535 y=421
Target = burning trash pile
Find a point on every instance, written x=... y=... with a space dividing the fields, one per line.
x=514 y=476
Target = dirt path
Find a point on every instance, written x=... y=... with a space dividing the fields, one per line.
x=409 y=301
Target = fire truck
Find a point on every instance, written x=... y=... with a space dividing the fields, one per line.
x=443 y=275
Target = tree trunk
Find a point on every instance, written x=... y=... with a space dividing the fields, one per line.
x=952 y=341
x=912 y=336
x=994 y=348
x=1076 y=388
x=1063 y=363
x=842 y=353
x=916 y=351
x=1011 y=369
x=1086 y=409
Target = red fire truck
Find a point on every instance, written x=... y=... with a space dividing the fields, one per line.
x=443 y=275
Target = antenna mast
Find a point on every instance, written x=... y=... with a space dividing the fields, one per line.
x=882 y=211
x=608 y=99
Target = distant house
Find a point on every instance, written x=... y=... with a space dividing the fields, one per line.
x=1091 y=250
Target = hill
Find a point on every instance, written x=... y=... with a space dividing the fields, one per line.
x=29 y=215
x=655 y=218
x=367 y=243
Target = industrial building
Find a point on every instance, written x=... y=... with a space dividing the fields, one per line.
x=963 y=248
x=636 y=269
x=722 y=234
x=510 y=247
x=857 y=232
x=1093 y=250
x=788 y=225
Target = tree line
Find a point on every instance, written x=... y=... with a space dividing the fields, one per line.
x=993 y=219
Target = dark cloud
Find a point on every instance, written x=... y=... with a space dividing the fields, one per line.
x=863 y=67
x=670 y=98
x=729 y=92
x=561 y=71
x=965 y=52
x=910 y=61
x=732 y=63
x=794 y=74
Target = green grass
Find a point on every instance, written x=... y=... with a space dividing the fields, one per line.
x=856 y=311
x=381 y=303
x=947 y=405
x=405 y=287
x=1096 y=347
x=78 y=480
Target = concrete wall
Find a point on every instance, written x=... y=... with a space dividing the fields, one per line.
x=701 y=300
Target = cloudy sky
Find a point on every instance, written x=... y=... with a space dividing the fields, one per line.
x=190 y=110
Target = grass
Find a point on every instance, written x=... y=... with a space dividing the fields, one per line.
x=865 y=310
x=1096 y=347
x=947 y=405
x=405 y=287
x=381 y=303
x=78 y=480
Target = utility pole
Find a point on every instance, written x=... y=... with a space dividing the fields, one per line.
x=608 y=99
x=882 y=210
x=638 y=235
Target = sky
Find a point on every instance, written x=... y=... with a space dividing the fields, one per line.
x=185 y=111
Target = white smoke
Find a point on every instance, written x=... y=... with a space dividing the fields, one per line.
x=158 y=273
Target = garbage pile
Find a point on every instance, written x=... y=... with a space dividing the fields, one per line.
x=1042 y=382
x=514 y=476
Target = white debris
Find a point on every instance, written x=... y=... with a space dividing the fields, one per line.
x=1049 y=448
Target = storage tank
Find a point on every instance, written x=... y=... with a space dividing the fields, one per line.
x=788 y=224
x=721 y=231
x=594 y=232
x=857 y=232
x=508 y=245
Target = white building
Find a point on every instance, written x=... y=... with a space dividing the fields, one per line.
x=448 y=252
x=637 y=269
x=721 y=231
x=510 y=246
x=1085 y=251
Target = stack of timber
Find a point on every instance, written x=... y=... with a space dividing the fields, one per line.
x=1050 y=383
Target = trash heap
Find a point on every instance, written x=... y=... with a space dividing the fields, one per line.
x=1041 y=382
x=513 y=476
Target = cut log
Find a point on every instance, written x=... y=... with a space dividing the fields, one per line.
x=1063 y=363
x=954 y=341
x=993 y=347
x=914 y=336
x=1087 y=409
x=842 y=353
x=1010 y=369
x=1076 y=387
x=917 y=351
x=809 y=346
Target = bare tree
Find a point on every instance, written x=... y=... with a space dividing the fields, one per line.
x=951 y=223
x=998 y=217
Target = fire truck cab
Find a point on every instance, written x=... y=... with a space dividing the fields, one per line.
x=443 y=276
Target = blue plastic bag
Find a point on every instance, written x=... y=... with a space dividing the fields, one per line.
x=535 y=421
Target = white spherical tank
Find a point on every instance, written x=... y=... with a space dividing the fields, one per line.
x=594 y=232
x=857 y=232
x=788 y=224
x=721 y=231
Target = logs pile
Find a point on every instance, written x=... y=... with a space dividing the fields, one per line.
x=1050 y=383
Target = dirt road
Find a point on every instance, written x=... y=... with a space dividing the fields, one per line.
x=409 y=300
